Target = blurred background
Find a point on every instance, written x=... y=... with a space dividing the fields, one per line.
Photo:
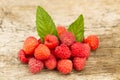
x=101 y=17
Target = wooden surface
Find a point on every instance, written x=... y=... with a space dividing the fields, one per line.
x=102 y=17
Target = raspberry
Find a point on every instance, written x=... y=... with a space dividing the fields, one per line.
x=79 y=63
x=53 y=52
x=35 y=65
x=65 y=66
x=51 y=62
x=61 y=29
x=67 y=38
x=51 y=41
x=83 y=41
x=39 y=41
x=22 y=57
x=62 y=51
x=42 y=52
x=93 y=41
x=30 y=44
x=86 y=52
x=80 y=50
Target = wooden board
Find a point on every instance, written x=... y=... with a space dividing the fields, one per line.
x=17 y=21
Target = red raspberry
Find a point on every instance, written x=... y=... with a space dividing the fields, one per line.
x=51 y=41
x=79 y=63
x=35 y=65
x=61 y=29
x=22 y=57
x=93 y=41
x=83 y=41
x=53 y=51
x=67 y=38
x=51 y=62
x=65 y=66
x=30 y=44
x=62 y=51
x=39 y=41
x=80 y=50
x=42 y=52
x=86 y=52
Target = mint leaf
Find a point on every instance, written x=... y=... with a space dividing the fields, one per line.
x=77 y=28
x=44 y=23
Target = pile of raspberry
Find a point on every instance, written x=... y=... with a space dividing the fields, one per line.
x=62 y=53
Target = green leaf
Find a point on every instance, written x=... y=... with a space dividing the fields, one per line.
x=77 y=28
x=44 y=23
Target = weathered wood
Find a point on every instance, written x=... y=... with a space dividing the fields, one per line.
x=17 y=21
